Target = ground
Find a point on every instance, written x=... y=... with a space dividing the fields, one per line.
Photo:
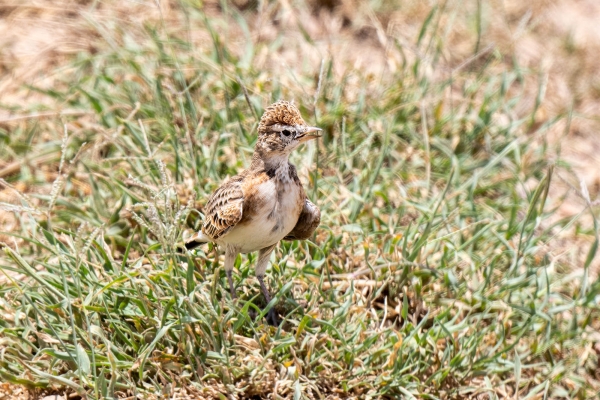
x=456 y=177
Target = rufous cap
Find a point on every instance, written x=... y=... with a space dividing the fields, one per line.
x=280 y=112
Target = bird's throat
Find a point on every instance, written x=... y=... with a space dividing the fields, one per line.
x=269 y=161
x=276 y=162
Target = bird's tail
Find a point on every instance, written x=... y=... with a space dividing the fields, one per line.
x=196 y=240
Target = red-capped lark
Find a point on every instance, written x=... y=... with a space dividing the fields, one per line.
x=266 y=203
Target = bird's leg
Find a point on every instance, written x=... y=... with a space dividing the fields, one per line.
x=264 y=289
x=261 y=267
x=230 y=256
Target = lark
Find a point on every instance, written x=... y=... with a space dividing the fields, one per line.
x=266 y=203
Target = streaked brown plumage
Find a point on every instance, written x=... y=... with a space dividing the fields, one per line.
x=266 y=202
x=224 y=209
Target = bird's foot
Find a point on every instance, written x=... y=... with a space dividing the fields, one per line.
x=252 y=314
x=273 y=318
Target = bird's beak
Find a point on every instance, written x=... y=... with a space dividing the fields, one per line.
x=309 y=133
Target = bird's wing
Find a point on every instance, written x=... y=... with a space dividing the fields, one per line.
x=224 y=209
x=307 y=222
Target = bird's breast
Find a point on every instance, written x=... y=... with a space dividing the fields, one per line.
x=271 y=211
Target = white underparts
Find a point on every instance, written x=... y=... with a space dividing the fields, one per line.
x=281 y=201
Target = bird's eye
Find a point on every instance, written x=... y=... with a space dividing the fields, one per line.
x=286 y=132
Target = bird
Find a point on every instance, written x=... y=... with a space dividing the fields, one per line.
x=265 y=203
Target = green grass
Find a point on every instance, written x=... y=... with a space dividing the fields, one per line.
x=429 y=276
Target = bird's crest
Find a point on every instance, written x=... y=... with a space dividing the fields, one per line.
x=280 y=112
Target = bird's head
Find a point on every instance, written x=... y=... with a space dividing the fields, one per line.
x=281 y=129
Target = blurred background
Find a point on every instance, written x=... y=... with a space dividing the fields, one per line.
x=550 y=43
